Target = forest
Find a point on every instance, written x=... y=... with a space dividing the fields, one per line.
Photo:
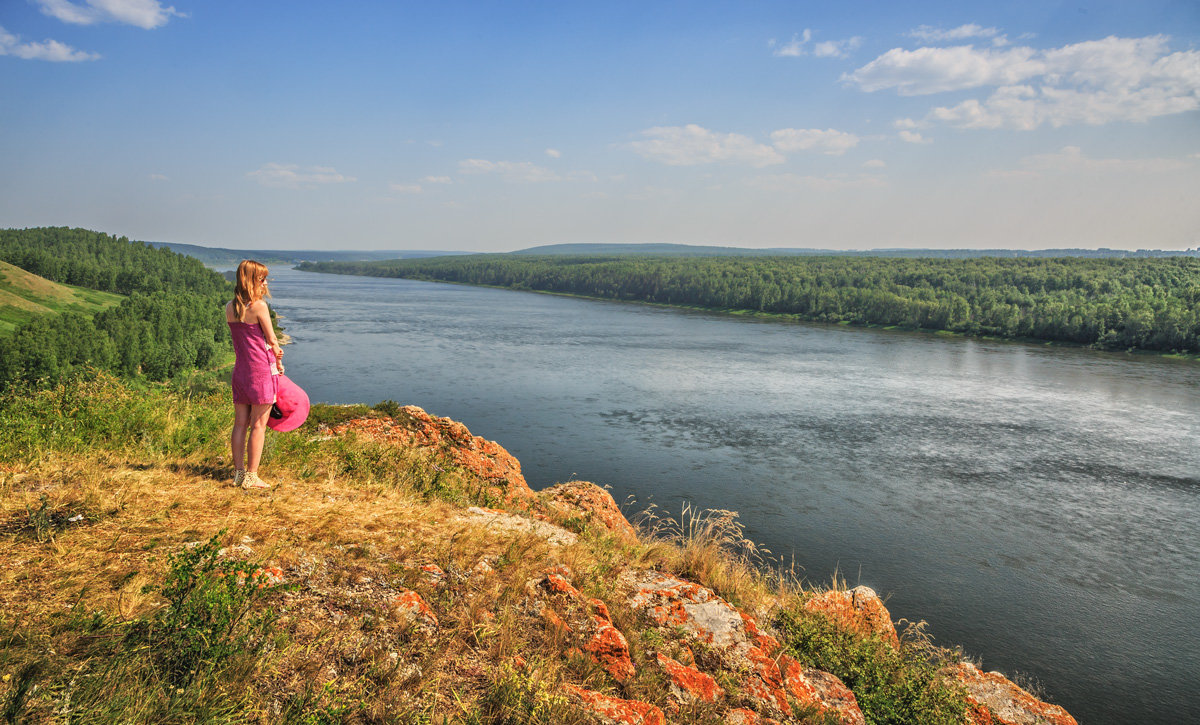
x=1111 y=304
x=170 y=321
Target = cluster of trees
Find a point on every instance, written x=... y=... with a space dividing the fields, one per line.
x=1151 y=304
x=172 y=319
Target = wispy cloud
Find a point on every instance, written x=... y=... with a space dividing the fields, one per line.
x=50 y=50
x=913 y=137
x=159 y=177
x=837 y=48
x=437 y=180
x=293 y=176
x=406 y=188
x=1072 y=160
x=874 y=164
x=554 y=153
x=829 y=141
x=512 y=171
x=793 y=48
x=930 y=34
x=147 y=14
x=1094 y=82
x=692 y=145
x=798 y=46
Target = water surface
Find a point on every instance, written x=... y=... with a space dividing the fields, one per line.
x=1037 y=505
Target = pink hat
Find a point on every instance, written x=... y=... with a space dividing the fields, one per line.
x=291 y=404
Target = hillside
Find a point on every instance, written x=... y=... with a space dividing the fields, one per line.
x=401 y=571
x=24 y=296
x=696 y=250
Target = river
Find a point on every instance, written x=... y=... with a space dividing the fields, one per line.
x=1038 y=505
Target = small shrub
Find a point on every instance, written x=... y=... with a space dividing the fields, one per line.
x=894 y=686
x=208 y=621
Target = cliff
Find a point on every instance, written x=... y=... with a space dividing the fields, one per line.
x=401 y=570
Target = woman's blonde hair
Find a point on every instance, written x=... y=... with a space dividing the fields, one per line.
x=250 y=276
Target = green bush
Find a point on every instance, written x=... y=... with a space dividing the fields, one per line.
x=893 y=685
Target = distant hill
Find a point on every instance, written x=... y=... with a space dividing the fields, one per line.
x=222 y=257
x=689 y=250
x=24 y=295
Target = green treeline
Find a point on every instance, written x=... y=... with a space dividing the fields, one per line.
x=171 y=321
x=1150 y=304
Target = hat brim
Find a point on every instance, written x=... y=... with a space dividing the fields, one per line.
x=292 y=401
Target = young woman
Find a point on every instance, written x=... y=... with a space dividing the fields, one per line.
x=255 y=371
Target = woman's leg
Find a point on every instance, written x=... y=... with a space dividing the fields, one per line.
x=237 y=440
x=257 y=415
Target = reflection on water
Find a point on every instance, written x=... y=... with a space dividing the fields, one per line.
x=1036 y=505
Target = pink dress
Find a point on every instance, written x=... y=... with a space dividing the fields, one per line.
x=253 y=381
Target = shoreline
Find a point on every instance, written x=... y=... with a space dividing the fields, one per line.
x=800 y=319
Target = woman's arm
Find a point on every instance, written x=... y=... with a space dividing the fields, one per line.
x=263 y=314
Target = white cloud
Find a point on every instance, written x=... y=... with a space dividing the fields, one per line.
x=553 y=153
x=913 y=137
x=797 y=46
x=691 y=145
x=791 y=49
x=292 y=176
x=406 y=188
x=159 y=177
x=50 y=50
x=793 y=182
x=936 y=70
x=1094 y=82
x=837 y=48
x=829 y=141
x=147 y=14
x=874 y=164
x=930 y=34
x=515 y=171
x=437 y=180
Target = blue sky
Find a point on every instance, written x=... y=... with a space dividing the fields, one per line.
x=494 y=126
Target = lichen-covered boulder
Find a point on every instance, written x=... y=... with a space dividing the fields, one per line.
x=414 y=612
x=414 y=428
x=859 y=610
x=740 y=647
x=585 y=621
x=688 y=684
x=996 y=700
x=590 y=503
x=613 y=710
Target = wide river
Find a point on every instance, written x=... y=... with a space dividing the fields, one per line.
x=1039 y=506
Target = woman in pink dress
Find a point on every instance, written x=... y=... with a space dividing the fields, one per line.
x=255 y=370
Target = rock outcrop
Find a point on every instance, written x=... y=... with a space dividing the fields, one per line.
x=720 y=643
x=415 y=428
x=858 y=610
x=585 y=622
x=591 y=503
x=996 y=700
x=733 y=642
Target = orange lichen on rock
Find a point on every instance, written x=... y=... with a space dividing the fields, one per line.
x=615 y=711
x=586 y=621
x=591 y=503
x=414 y=428
x=812 y=687
x=742 y=716
x=412 y=609
x=689 y=684
x=858 y=610
x=736 y=641
x=993 y=698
